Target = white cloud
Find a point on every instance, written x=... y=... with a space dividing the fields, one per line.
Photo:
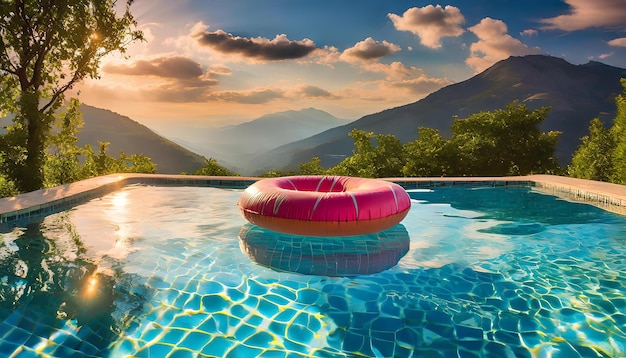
x=369 y=50
x=430 y=23
x=528 y=32
x=327 y=56
x=620 y=42
x=198 y=29
x=186 y=42
x=586 y=13
x=396 y=70
x=410 y=78
x=494 y=44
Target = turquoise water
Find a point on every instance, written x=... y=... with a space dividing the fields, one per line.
x=176 y=272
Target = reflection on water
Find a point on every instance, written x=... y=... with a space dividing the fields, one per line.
x=42 y=290
x=53 y=300
x=325 y=256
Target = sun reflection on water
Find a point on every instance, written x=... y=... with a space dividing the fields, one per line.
x=91 y=288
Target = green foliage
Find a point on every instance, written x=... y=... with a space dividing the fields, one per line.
x=618 y=133
x=312 y=167
x=274 y=173
x=212 y=168
x=46 y=48
x=67 y=167
x=389 y=158
x=7 y=188
x=385 y=159
x=504 y=142
x=602 y=153
x=63 y=163
x=13 y=151
x=430 y=155
x=592 y=159
x=102 y=163
x=136 y=163
x=360 y=164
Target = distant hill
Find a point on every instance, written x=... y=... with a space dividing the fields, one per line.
x=576 y=93
x=132 y=137
x=235 y=145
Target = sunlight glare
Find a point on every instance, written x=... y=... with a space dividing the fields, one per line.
x=91 y=287
x=120 y=201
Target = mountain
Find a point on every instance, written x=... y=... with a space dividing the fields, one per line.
x=126 y=135
x=235 y=145
x=132 y=137
x=576 y=94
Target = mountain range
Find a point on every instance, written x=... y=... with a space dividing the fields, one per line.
x=234 y=145
x=575 y=93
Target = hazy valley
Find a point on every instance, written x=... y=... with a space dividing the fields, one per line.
x=234 y=146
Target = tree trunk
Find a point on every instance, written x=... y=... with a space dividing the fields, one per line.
x=31 y=174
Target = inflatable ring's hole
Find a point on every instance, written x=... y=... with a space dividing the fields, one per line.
x=325 y=184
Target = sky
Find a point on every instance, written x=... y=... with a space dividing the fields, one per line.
x=223 y=62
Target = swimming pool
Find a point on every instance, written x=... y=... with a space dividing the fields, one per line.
x=175 y=271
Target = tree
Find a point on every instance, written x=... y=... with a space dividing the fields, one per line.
x=618 y=134
x=102 y=163
x=592 y=159
x=389 y=157
x=429 y=155
x=504 y=142
x=312 y=167
x=360 y=164
x=385 y=159
x=212 y=168
x=136 y=163
x=47 y=47
x=602 y=153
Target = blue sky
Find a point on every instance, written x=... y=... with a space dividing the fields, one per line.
x=220 y=62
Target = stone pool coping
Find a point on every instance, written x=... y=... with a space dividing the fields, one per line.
x=22 y=208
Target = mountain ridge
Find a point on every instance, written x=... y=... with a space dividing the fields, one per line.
x=132 y=137
x=576 y=94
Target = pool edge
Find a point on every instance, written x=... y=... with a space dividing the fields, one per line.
x=24 y=207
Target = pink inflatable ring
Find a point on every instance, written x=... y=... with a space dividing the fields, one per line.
x=324 y=205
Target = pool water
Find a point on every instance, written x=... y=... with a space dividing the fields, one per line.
x=177 y=272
